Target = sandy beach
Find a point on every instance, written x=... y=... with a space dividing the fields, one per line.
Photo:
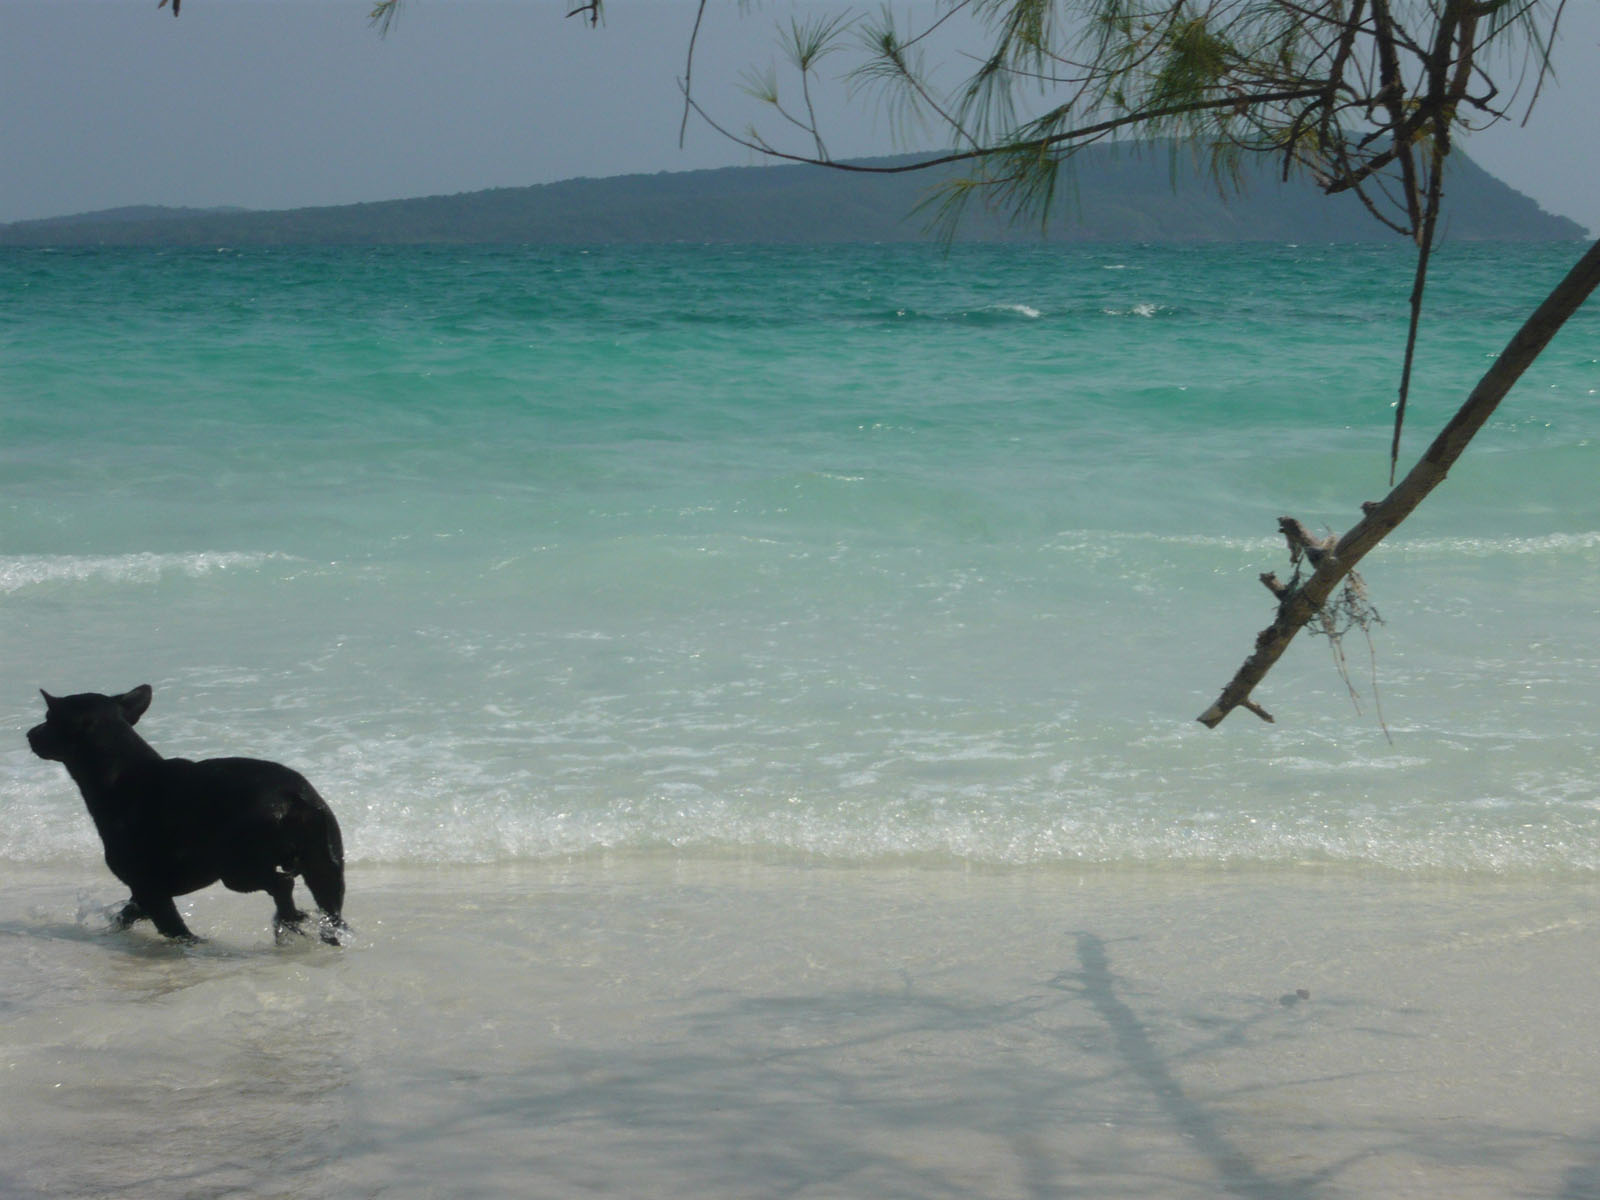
x=643 y=1025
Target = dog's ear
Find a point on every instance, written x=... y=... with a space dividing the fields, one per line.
x=134 y=703
x=49 y=701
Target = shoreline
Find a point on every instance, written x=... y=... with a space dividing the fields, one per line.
x=696 y=1027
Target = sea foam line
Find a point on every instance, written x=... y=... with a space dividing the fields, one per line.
x=35 y=570
x=1021 y=310
x=1551 y=543
x=1456 y=547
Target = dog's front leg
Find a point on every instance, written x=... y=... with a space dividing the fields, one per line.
x=130 y=914
x=164 y=913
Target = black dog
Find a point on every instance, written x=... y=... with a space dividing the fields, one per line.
x=172 y=826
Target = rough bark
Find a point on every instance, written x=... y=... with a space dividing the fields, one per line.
x=1298 y=605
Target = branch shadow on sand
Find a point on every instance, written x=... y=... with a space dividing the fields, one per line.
x=926 y=1091
x=1195 y=1121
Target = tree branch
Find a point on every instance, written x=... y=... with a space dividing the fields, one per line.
x=1051 y=141
x=1297 y=606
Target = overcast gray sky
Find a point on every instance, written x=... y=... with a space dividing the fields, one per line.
x=281 y=103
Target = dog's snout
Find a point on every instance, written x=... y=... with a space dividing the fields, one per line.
x=41 y=743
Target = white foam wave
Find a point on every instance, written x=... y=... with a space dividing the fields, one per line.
x=39 y=570
x=1486 y=547
x=1022 y=310
x=1551 y=543
x=1094 y=541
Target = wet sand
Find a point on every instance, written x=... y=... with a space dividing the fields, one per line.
x=657 y=1026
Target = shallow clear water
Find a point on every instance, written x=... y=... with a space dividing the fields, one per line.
x=868 y=553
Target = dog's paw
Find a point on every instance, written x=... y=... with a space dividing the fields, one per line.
x=285 y=930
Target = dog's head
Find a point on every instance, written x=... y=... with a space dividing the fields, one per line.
x=85 y=723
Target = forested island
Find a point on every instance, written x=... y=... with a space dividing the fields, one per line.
x=1113 y=194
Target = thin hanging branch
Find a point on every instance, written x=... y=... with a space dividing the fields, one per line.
x=687 y=83
x=1425 y=236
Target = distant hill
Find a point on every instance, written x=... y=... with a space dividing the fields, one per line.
x=1112 y=195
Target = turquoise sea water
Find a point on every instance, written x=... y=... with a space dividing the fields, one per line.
x=868 y=553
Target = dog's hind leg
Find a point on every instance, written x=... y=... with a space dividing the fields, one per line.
x=321 y=859
x=287 y=919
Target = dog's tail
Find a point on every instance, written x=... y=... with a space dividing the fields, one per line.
x=320 y=854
